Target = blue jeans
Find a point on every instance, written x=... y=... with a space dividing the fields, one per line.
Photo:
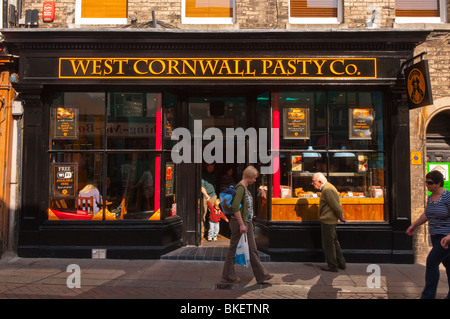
x=436 y=256
x=213 y=230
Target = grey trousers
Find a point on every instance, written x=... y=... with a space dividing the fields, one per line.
x=331 y=247
x=259 y=271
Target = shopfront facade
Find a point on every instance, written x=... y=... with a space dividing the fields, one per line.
x=107 y=108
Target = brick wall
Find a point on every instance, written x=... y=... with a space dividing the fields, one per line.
x=438 y=56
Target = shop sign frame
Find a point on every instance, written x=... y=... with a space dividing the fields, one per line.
x=217 y=68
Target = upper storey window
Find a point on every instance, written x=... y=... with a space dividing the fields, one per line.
x=208 y=11
x=413 y=11
x=101 y=12
x=315 y=11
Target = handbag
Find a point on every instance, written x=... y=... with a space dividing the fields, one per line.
x=242 y=255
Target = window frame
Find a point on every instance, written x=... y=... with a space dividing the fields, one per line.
x=335 y=20
x=104 y=151
x=188 y=20
x=441 y=19
x=93 y=21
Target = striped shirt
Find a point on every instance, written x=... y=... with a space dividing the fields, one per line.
x=215 y=214
x=438 y=214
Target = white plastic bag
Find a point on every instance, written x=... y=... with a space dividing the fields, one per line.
x=242 y=256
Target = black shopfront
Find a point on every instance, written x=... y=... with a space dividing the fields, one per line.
x=101 y=108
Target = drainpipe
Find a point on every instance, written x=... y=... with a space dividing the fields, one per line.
x=16 y=150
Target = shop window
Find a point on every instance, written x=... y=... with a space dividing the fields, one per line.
x=101 y=12
x=315 y=12
x=208 y=11
x=106 y=145
x=339 y=134
x=416 y=11
x=131 y=120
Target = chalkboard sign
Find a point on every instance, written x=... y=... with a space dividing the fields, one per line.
x=296 y=123
x=65 y=121
x=64 y=180
x=361 y=120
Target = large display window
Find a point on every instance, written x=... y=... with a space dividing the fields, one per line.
x=337 y=133
x=105 y=156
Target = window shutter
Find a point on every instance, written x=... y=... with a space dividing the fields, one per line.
x=104 y=9
x=417 y=8
x=313 y=8
x=209 y=9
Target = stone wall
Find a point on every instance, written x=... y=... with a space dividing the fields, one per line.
x=438 y=56
x=250 y=14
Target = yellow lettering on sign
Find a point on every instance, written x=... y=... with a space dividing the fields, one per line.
x=319 y=66
x=84 y=67
x=208 y=66
x=220 y=68
x=332 y=69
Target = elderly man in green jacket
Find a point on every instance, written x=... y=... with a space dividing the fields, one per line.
x=330 y=211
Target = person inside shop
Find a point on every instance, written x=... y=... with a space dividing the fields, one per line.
x=215 y=214
x=146 y=182
x=241 y=222
x=437 y=214
x=227 y=179
x=209 y=192
x=330 y=212
x=91 y=190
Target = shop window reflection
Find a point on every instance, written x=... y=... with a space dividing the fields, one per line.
x=123 y=172
x=345 y=143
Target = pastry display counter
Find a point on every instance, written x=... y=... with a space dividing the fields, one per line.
x=307 y=209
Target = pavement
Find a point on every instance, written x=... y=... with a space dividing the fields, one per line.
x=56 y=278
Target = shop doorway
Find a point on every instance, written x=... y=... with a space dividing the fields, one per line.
x=438 y=145
x=214 y=114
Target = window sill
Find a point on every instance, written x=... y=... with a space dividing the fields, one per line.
x=207 y=20
x=423 y=25
x=318 y=21
x=88 y=21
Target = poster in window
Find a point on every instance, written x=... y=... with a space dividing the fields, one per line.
x=296 y=123
x=296 y=161
x=65 y=121
x=361 y=120
x=64 y=182
x=170 y=169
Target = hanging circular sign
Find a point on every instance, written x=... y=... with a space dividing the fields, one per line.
x=416 y=86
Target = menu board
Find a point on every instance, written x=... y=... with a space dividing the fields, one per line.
x=361 y=120
x=296 y=123
x=64 y=183
x=65 y=121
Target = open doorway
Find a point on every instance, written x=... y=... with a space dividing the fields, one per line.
x=214 y=114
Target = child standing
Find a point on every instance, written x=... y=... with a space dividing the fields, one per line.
x=215 y=214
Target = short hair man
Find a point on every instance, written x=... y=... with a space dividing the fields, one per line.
x=330 y=211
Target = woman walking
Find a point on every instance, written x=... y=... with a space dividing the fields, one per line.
x=437 y=213
x=240 y=223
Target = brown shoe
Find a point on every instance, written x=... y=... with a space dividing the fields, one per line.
x=326 y=268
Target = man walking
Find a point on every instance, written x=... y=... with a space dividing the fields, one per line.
x=330 y=211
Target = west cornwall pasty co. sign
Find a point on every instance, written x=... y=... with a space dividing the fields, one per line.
x=218 y=68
